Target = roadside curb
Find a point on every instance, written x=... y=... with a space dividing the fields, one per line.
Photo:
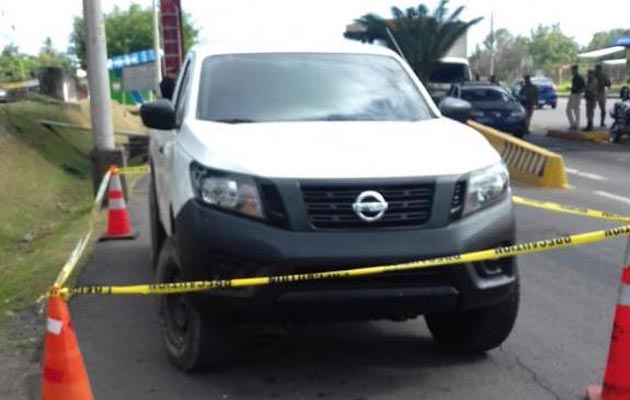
x=592 y=137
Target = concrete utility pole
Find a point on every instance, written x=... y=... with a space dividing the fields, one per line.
x=156 y=48
x=104 y=153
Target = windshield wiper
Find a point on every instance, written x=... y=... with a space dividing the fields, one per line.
x=234 y=121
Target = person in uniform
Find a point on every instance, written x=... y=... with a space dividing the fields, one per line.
x=529 y=98
x=590 y=95
x=603 y=82
x=573 y=106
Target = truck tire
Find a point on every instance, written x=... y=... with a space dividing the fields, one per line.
x=476 y=331
x=193 y=341
x=157 y=230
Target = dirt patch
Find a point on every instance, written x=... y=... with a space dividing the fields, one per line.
x=20 y=351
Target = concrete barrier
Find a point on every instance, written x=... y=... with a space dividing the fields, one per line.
x=527 y=163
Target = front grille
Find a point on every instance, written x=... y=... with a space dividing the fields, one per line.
x=330 y=206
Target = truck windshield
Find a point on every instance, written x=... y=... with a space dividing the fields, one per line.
x=446 y=72
x=307 y=87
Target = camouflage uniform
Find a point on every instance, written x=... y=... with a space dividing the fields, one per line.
x=602 y=83
x=529 y=96
x=591 y=97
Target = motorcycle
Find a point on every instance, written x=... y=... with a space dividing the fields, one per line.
x=621 y=117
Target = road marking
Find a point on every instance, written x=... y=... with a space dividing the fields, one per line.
x=612 y=196
x=594 y=177
x=586 y=175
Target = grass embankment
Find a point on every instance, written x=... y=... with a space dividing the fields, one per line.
x=45 y=195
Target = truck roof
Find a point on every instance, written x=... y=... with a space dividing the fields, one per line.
x=341 y=46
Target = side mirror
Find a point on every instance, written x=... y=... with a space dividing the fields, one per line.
x=158 y=115
x=459 y=110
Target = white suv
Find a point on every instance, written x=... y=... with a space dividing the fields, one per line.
x=278 y=160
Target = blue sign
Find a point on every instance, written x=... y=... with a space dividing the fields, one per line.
x=133 y=59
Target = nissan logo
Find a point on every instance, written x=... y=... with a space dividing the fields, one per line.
x=370 y=206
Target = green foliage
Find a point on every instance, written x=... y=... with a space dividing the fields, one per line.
x=551 y=49
x=15 y=67
x=511 y=56
x=423 y=37
x=49 y=57
x=601 y=40
x=501 y=39
x=127 y=31
x=45 y=191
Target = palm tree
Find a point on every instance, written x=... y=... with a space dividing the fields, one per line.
x=424 y=37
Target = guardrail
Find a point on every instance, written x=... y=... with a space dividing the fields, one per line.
x=527 y=163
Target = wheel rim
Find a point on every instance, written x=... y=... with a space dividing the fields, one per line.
x=175 y=313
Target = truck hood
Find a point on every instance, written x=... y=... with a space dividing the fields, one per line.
x=332 y=150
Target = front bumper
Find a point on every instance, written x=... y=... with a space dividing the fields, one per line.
x=216 y=245
x=511 y=125
x=550 y=101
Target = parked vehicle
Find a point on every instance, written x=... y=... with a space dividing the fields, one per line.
x=547 y=91
x=620 y=116
x=493 y=105
x=280 y=160
x=449 y=71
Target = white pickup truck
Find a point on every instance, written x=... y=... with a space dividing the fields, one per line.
x=274 y=160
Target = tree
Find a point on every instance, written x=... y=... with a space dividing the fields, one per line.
x=49 y=57
x=511 y=56
x=423 y=37
x=127 y=31
x=15 y=67
x=602 y=40
x=551 y=49
x=10 y=50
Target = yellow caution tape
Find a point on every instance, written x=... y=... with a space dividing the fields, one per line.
x=79 y=249
x=491 y=254
x=544 y=205
x=134 y=170
x=100 y=193
x=198 y=286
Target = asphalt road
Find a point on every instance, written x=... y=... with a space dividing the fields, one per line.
x=558 y=346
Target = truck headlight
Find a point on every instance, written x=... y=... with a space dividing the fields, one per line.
x=486 y=186
x=517 y=114
x=231 y=192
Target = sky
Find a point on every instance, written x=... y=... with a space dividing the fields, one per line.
x=28 y=22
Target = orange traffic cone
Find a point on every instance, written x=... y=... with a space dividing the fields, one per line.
x=617 y=378
x=118 y=225
x=64 y=374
